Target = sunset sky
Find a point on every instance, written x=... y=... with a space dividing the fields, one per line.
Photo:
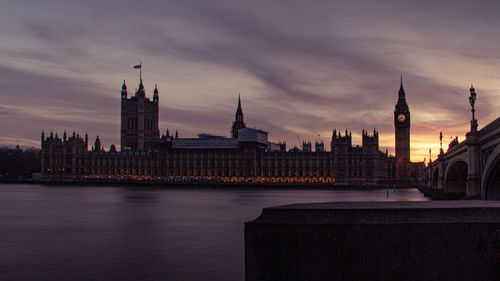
x=303 y=68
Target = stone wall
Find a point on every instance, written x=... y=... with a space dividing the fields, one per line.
x=375 y=241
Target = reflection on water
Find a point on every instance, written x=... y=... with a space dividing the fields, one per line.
x=115 y=233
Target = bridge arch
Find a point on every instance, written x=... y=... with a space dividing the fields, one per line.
x=490 y=189
x=456 y=176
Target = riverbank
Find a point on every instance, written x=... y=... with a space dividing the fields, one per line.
x=219 y=184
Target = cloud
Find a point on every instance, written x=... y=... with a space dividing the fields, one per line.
x=303 y=69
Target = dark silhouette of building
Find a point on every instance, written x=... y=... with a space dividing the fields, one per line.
x=139 y=120
x=402 y=135
x=359 y=164
x=247 y=156
x=64 y=158
x=238 y=123
x=17 y=164
x=306 y=146
x=319 y=146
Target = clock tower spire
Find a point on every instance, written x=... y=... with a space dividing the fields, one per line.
x=402 y=135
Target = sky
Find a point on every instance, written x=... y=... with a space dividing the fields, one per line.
x=302 y=68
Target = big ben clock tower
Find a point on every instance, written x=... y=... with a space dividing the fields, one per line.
x=402 y=135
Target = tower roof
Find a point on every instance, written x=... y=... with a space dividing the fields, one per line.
x=401 y=92
x=239 y=111
x=401 y=96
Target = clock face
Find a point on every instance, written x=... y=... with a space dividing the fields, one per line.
x=401 y=117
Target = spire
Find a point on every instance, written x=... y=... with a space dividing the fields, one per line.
x=402 y=94
x=401 y=104
x=238 y=123
x=239 y=111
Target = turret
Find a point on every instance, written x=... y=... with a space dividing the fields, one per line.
x=319 y=146
x=155 y=95
x=97 y=144
x=370 y=139
x=140 y=92
x=124 y=90
x=306 y=146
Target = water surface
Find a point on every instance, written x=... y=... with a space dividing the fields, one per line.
x=137 y=233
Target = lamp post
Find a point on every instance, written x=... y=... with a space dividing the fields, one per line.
x=473 y=186
x=441 y=143
x=472 y=101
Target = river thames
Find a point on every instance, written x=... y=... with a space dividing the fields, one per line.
x=138 y=233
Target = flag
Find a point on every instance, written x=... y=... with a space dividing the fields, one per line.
x=139 y=66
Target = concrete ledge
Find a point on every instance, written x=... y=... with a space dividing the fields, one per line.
x=437 y=240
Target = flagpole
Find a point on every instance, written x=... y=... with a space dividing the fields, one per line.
x=140 y=72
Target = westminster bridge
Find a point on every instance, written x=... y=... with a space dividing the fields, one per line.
x=471 y=166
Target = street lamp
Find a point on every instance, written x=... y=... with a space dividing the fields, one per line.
x=472 y=101
x=441 y=143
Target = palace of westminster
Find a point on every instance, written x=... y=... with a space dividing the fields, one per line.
x=247 y=156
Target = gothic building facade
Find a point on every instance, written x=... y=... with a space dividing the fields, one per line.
x=247 y=155
x=402 y=135
x=139 y=120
